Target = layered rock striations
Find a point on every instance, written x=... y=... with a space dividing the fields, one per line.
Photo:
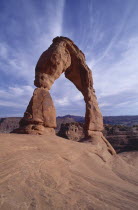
x=63 y=56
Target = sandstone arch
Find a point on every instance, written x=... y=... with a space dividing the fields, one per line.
x=63 y=56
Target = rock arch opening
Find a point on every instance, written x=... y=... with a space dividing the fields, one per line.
x=63 y=56
x=66 y=97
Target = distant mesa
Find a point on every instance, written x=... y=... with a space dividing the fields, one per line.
x=63 y=56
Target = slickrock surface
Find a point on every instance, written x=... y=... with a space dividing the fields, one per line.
x=48 y=172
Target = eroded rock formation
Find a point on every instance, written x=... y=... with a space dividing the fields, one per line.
x=40 y=115
x=73 y=131
x=62 y=56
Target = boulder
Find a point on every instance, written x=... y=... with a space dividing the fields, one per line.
x=72 y=131
x=40 y=115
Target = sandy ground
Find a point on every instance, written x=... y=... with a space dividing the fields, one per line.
x=49 y=172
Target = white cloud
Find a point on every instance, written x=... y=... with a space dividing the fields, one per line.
x=20 y=61
x=115 y=82
x=11 y=104
x=16 y=96
x=62 y=102
x=12 y=92
x=104 y=105
x=3 y=51
x=16 y=63
x=114 y=63
x=115 y=79
x=120 y=75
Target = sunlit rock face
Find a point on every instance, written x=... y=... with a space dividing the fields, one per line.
x=63 y=56
x=39 y=117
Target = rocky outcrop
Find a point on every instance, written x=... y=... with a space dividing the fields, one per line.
x=39 y=117
x=72 y=131
x=63 y=120
x=122 y=138
x=62 y=56
x=121 y=120
x=8 y=124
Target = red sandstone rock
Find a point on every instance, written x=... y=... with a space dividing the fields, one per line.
x=62 y=56
x=40 y=115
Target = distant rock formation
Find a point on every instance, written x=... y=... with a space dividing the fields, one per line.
x=8 y=124
x=63 y=120
x=40 y=117
x=73 y=131
x=122 y=138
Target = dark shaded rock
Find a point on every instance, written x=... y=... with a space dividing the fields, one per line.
x=73 y=131
x=63 y=120
x=9 y=124
x=121 y=120
x=122 y=138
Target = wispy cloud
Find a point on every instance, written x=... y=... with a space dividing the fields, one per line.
x=15 y=96
x=118 y=79
x=106 y=32
x=121 y=74
x=67 y=98
x=19 y=59
x=19 y=56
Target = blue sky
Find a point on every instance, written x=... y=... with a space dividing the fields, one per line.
x=105 y=30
